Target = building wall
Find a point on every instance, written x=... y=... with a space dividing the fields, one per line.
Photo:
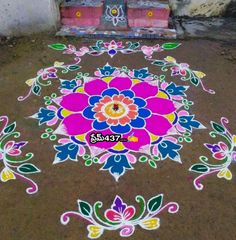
x=206 y=8
x=21 y=17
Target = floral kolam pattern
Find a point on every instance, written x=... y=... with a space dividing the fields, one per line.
x=121 y=216
x=15 y=166
x=108 y=117
x=129 y=110
x=223 y=152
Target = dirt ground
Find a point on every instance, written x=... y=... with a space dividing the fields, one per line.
x=206 y=215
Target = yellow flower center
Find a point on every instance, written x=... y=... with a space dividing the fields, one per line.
x=114 y=11
x=115 y=110
x=78 y=14
x=150 y=13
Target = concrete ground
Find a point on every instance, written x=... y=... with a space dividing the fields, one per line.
x=206 y=215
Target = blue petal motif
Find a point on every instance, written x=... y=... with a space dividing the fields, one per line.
x=137 y=123
x=189 y=123
x=88 y=113
x=68 y=151
x=45 y=115
x=169 y=149
x=144 y=113
x=94 y=99
x=176 y=90
x=66 y=84
x=117 y=164
x=141 y=73
x=107 y=70
x=128 y=93
x=100 y=125
x=110 y=92
x=140 y=102
x=121 y=129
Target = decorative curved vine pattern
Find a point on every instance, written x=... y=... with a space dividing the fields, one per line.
x=121 y=217
x=45 y=76
x=224 y=152
x=14 y=166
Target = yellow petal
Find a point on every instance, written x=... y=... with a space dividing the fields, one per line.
x=234 y=139
x=30 y=82
x=199 y=74
x=225 y=173
x=7 y=175
x=150 y=224
x=170 y=59
x=94 y=231
x=58 y=64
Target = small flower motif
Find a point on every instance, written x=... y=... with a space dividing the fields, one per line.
x=120 y=212
x=46 y=115
x=47 y=73
x=142 y=74
x=219 y=151
x=180 y=69
x=13 y=148
x=148 y=50
x=117 y=164
x=112 y=47
x=107 y=70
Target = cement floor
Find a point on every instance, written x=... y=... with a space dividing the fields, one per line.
x=206 y=215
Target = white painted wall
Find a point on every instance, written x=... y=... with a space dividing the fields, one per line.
x=21 y=17
x=207 y=8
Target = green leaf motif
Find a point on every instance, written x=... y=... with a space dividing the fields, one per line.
x=158 y=63
x=152 y=163
x=73 y=67
x=199 y=168
x=143 y=159
x=28 y=168
x=195 y=81
x=170 y=46
x=58 y=46
x=36 y=89
x=154 y=204
x=217 y=127
x=85 y=208
x=10 y=128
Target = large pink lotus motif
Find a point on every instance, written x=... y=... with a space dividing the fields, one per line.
x=116 y=113
x=116 y=107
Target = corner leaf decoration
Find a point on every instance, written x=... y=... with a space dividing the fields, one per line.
x=84 y=208
x=155 y=203
x=223 y=154
x=14 y=166
x=170 y=46
x=121 y=216
x=58 y=46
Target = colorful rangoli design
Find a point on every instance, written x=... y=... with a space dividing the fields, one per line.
x=14 y=166
x=121 y=216
x=116 y=113
x=224 y=152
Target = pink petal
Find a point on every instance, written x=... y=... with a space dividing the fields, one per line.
x=158 y=125
x=145 y=90
x=74 y=124
x=103 y=145
x=14 y=152
x=104 y=158
x=143 y=139
x=120 y=83
x=219 y=155
x=131 y=158
x=129 y=212
x=113 y=216
x=9 y=145
x=160 y=105
x=223 y=146
x=74 y=102
x=95 y=87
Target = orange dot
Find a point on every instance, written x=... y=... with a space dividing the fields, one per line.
x=78 y=14
x=150 y=13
